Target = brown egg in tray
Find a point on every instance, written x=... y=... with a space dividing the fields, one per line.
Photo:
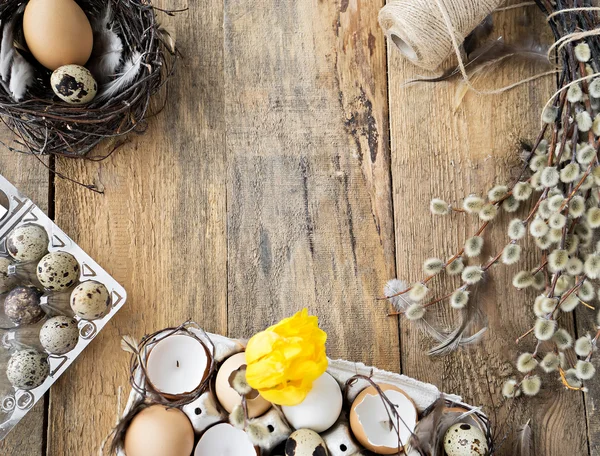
x=54 y=299
x=187 y=401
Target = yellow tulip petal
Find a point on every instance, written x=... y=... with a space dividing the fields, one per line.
x=260 y=345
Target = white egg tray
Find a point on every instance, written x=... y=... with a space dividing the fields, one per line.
x=339 y=439
x=17 y=210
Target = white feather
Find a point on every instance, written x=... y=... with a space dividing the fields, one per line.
x=125 y=78
x=21 y=76
x=7 y=50
x=108 y=48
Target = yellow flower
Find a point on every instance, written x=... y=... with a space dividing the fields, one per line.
x=285 y=359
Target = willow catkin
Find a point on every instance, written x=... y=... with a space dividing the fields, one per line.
x=424 y=30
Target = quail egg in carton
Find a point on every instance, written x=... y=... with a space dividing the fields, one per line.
x=54 y=299
x=341 y=416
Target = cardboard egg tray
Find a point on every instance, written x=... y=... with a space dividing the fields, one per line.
x=204 y=412
x=17 y=210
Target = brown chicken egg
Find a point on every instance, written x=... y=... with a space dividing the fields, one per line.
x=57 y=32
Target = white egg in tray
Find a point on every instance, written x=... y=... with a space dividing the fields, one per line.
x=343 y=411
x=54 y=299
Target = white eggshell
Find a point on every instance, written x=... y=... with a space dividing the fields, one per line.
x=7 y=282
x=74 y=84
x=90 y=300
x=58 y=271
x=27 y=369
x=305 y=442
x=27 y=243
x=321 y=408
x=463 y=439
x=59 y=335
x=223 y=439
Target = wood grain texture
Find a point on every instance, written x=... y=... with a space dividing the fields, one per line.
x=159 y=229
x=308 y=183
x=32 y=178
x=441 y=152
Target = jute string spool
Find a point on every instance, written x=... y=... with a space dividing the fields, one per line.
x=426 y=31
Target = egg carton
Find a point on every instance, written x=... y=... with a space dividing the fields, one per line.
x=17 y=210
x=205 y=412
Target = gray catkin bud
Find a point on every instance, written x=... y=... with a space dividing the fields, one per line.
x=550 y=114
x=550 y=176
x=582 y=52
x=456 y=267
x=569 y=303
x=584 y=121
x=544 y=211
x=538 y=162
x=537 y=307
x=526 y=363
x=459 y=299
x=570 y=173
x=539 y=281
x=510 y=389
x=557 y=260
x=543 y=242
x=240 y=384
x=591 y=267
x=563 y=284
x=535 y=181
x=516 y=229
x=511 y=254
x=596 y=123
x=498 y=192
x=472 y=274
x=572 y=379
x=237 y=418
x=417 y=292
x=258 y=433
x=414 y=312
x=510 y=204
x=557 y=221
x=571 y=243
x=555 y=202
x=547 y=305
x=562 y=339
x=576 y=206
x=586 y=291
x=522 y=191
x=523 y=279
x=583 y=346
x=585 y=154
x=574 y=93
x=473 y=204
x=594 y=88
x=588 y=183
x=488 y=212
x=439 y=207
x=531 y=385
x=550 y=363
x=593 y=217
x=544 y=329
x=583 y=231
x=585 y=370
x=574 y=267
x=433 y=266
x=473 y=246
x=538 y=228
x=555 y=235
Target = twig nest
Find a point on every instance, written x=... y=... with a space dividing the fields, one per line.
x=27 y=369
x=74 y=84
x=463 y=439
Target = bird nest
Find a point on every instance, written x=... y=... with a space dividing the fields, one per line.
x=131 y=59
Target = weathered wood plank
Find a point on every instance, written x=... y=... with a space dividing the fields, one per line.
x=439 y=152
x=159 y=229
x=309 y=214
x=587 y=323
x=32 y=178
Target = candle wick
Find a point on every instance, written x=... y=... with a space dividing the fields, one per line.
x=177 y=363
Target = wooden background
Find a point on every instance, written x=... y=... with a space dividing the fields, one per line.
x=293 y=168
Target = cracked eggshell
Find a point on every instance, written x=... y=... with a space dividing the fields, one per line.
x=7 y=282
x=305 y=442
x=59 y=335
x=224 y=439
x=464 y=439
x=74 y=84
x=90 y=300
x=58 y=271
x=22 y=306
x=27 y=369
x=368 y=412
x=27 y=242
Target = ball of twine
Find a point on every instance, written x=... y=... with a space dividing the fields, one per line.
x=423 y=30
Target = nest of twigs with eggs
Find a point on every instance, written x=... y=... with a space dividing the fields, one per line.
x=74 y=73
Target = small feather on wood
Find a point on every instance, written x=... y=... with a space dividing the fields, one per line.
x=523 y=442
x=125 y=78
x=130 y=345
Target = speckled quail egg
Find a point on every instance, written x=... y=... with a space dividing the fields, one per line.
x=59 y=335
x=463 y=439
x=22 y=306
x=90 y=300
x=27 y=242
x=27 y=369
x=7 y=282
x=58 y=271
x=74 y=84
x=305 y=442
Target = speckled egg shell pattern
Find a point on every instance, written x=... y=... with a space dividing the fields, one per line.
x=7 y=283
x=90 y=300
x=22 y=306
x=27 y=243
x=59 y=335
x=462 y=439
x=74 y=84
x=305 y=442
x=27 y=369
x=58 y=271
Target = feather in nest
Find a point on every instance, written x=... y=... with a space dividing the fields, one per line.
x=14 y=68
x=448 y=340
x=108 y=48
x=124 y=79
